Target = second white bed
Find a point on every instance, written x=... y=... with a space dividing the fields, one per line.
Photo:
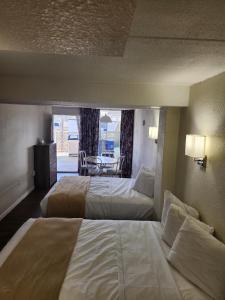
x=112 y=198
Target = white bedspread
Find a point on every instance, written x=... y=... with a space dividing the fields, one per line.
x=112 y=198
x=119 y=260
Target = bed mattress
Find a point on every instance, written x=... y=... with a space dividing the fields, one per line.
x=122 y=260
x=112 y=198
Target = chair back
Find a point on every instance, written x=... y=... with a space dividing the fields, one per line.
x=120 y=162
x=82 y=158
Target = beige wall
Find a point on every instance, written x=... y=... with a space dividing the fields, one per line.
x=165 y=175
x=39 y=90
x=205 y=189
x=145 y=149
x=20 y=127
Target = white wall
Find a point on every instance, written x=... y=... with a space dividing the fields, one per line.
x=66 y=110
x=20 y=128
x=144 y=149
x=39 y=90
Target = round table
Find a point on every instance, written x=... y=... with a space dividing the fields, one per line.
x=101 y=160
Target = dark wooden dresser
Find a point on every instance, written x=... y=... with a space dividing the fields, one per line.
x=45 y=166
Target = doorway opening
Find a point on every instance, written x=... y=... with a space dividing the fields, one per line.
x=66 y=136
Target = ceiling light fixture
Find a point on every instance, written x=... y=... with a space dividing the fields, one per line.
x=105 y=119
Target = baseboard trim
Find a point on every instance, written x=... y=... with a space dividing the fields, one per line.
x=8 y=210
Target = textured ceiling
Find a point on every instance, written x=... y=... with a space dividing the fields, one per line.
x=173 y=42
x=91 y=27
x=186 y=19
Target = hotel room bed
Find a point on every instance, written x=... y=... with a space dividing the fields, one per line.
x=122 y=260
x=110 y=198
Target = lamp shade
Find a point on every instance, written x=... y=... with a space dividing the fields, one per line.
x=153 y=133
x=105 y=119
x=195 y=146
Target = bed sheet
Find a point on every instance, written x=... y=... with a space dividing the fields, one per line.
x=112 y=198
x=122 y=260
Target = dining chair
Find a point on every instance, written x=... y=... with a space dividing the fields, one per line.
x=118 y=169
x=83 y=163
x=119 y=165
x=94 y=167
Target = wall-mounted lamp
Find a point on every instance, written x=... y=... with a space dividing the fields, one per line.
x=195 y=147
x=153 y=133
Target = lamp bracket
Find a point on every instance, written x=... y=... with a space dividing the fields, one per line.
x=201 y=161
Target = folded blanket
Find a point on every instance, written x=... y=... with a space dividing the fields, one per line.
x=68 y=198
x=36 y=268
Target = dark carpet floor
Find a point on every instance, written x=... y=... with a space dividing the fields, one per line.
x=27 y=208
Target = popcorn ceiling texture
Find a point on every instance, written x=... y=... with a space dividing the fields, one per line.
x=91 y=27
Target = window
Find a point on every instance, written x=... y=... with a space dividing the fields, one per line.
x=109 y=135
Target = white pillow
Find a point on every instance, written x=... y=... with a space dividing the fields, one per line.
x=170 y=198
x=175 y=218
x=200 y=257
x=144 y=182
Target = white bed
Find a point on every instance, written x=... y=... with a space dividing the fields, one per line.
x=122 y=260
x=112 y=198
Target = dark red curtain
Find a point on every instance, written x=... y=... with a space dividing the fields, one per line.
x=126 y=140
x=89 y=130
